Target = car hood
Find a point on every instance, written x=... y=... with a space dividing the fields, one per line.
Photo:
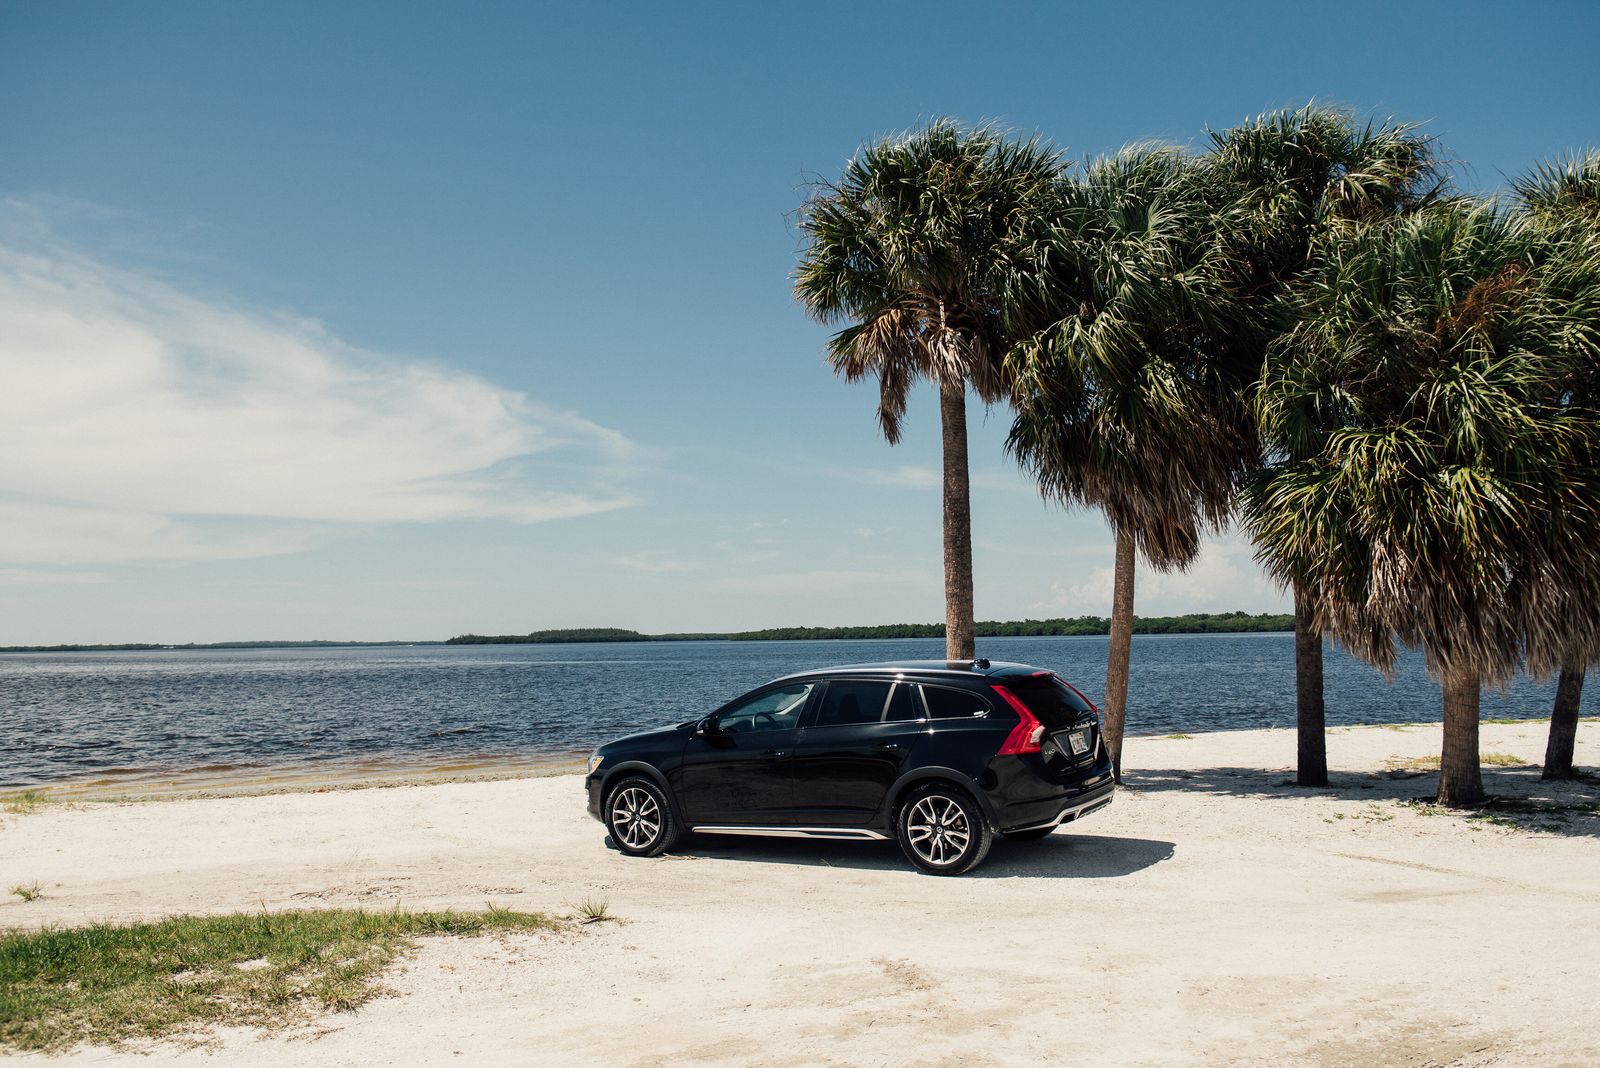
x=647 y=738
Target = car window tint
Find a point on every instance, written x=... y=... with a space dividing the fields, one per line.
x=903 y=704
x=772 y=710
x=945 y=703
x=1054 y=702
x=852 y=702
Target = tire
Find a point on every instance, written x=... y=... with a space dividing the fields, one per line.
x=1027 y=836
x=942 y=830
x=640 y=818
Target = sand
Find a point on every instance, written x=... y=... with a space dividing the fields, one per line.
x=1211 y=915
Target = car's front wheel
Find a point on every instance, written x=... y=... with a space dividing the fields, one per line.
x=640 y=818
x=942 y=830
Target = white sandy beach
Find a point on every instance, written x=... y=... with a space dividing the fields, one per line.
x=1210 y=916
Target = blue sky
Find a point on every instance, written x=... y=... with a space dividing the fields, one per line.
x=402 y=320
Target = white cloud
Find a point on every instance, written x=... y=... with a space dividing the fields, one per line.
x=22 y=576
x=823 y=583
x=655 y=563
x=132 y=411
x=906 y=475
x=1224 y=577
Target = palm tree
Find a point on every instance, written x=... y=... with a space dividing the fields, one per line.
x=907 y=248
x=1128 y=396
x=1564 y=197
x=1304 y=179
x=1430 y=483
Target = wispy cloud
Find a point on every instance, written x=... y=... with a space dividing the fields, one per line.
x=922 y=477
x=820 y=582
x=133 y=409
x=906 y=475
x=22 y=576
x=655 y=563
x=1224 y=577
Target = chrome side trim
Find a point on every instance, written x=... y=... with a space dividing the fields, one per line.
x=850 y=833
x=1072 y=812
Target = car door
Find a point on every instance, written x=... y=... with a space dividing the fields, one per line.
x=853 y=747
x=736 y=770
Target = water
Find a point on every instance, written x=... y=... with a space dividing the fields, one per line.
x=80 y=715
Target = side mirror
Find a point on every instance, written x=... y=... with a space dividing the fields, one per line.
x=704 y=727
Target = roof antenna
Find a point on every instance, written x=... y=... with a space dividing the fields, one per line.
x=981 y=664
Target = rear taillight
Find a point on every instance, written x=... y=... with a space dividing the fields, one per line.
x=1026 y=735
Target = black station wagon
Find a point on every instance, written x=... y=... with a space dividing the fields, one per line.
x=939 y=755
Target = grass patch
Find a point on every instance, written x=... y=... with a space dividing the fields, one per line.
x=1180 y=737
x=1431 y=763
x=108 y=983
x=23 y=803
x=1422 y=763
x=28 y=891
x=593 y=910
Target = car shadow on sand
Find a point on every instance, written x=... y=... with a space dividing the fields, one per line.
x=1062 y=855
x=1518 y=798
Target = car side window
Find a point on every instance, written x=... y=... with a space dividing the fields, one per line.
x=903 y=704
x=772 y=710
x=852 y=702
x=946 y=703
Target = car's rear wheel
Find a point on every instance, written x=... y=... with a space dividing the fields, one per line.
x=1027 y=836
x=942 y=830
x=640 y=818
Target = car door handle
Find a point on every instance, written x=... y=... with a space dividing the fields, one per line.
x=776 y=754
x=887 y=747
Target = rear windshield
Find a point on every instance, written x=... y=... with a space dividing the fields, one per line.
x=1050 y=699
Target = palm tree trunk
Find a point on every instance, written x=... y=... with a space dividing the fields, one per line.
x=958 y=643
x=1312 y=765
x=1460 y=777
x=1121 y=649
x=1564 y=723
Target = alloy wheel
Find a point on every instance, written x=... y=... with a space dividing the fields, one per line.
x=938 y=830
x=635 y=817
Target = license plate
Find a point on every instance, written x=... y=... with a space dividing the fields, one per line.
x=1079 y=740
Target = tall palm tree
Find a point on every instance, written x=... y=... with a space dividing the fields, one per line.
x=1304 y=179
x=907 y=248
x=1563 y=196
x=1128 y=395
x=1431 y=484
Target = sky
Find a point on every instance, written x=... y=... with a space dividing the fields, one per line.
x=389 y=321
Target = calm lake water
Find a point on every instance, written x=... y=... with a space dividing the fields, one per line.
x=84 y=715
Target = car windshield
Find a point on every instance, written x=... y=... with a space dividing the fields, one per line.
x=1054 y=702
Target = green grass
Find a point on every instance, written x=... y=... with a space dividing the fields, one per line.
x=1431 y=763
x=110 y=983
x=28 y=891
x=593 y=910
x=23 y=803
x=1180 y=736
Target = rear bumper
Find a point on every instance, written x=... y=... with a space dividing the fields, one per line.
x=1038 y=815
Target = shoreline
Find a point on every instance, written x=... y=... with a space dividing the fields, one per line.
x=369 y=773
x=351 y=773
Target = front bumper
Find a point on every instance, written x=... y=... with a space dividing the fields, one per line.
x=1061 y=810
x=592 y=786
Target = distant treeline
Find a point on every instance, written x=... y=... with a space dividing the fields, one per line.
x=1195 y=623
x=1198 y=623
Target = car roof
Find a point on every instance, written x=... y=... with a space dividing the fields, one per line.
x=939 y=668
